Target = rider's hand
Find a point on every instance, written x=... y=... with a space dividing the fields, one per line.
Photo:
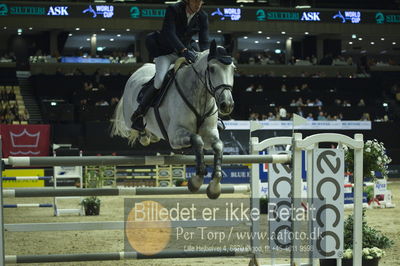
x=189 y=55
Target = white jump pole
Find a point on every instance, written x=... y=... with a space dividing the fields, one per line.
x=139 y=160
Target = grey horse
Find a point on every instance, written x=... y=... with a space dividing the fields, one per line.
x=189 y=111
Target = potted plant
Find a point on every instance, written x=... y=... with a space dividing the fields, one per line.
x=371 y=256
x=91 y=206
x=374 y=241
x=375 y=159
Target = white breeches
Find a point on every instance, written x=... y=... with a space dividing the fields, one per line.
x=162 y=65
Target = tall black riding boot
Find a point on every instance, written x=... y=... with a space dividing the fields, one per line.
x=137 y=116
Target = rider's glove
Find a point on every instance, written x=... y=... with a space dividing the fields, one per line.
x=189 y=55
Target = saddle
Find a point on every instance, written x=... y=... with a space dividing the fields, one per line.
x=168 y=80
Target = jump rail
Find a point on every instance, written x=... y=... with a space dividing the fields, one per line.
x=118 y=256
x=140 y=160
x=26 y=178
x=27 y=205
x=143 y=191
x=113 y=225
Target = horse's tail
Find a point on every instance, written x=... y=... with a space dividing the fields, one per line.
x=119 y=127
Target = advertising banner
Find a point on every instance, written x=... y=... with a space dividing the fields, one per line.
x=25 y=140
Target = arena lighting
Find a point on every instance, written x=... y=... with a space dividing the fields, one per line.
x=102 y=29
x=70 y=34
x=77 y=28
x=219 y=31
x=306 y=33
x=259 y=32
x=283 y=32
x=268 y=38
x=19 y=30
x=245 y=37
x=372 y=43
x=118 y=35
x=256 y=41
x=382 y=39
x=360 y=39
x=385 y=105
x=128 y=29
x=350 y=42
x=88 y=39
x=112 y=39
x=394 y=43
x=353 y=36
x=303 y=4
x=278 y=42
x=30 y=28
x=53 y=103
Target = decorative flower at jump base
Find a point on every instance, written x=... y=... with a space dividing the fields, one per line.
x=375 y=159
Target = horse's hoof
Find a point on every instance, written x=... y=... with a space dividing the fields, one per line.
x=195 y=183
x=144 y=139
x=213 y=190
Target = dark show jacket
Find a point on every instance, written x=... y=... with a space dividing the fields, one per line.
x=176 y=34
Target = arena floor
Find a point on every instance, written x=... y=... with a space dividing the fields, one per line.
x=387 y=220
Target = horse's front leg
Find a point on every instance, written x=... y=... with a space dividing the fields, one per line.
x=184 y=139
x=214 y=188
x=196 y=181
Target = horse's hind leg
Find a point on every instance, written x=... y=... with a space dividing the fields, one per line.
x=196 y=181
x=214 y=188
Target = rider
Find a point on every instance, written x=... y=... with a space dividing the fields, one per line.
x=182 y=20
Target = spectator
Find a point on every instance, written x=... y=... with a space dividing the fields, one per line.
x=366 y=117
x=102 y=103
x=318 y=102
x=259 y=88
x=251 y=88
x=271 y=116
x=310 y=117
x=300 y=111
x=361 y=103
x=114 y=101
x=283 y=114
x=299 y=102
x=321 y=116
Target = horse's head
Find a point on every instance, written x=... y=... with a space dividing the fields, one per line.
x=219 y=76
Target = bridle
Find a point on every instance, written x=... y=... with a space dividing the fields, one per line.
x=208 y=83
